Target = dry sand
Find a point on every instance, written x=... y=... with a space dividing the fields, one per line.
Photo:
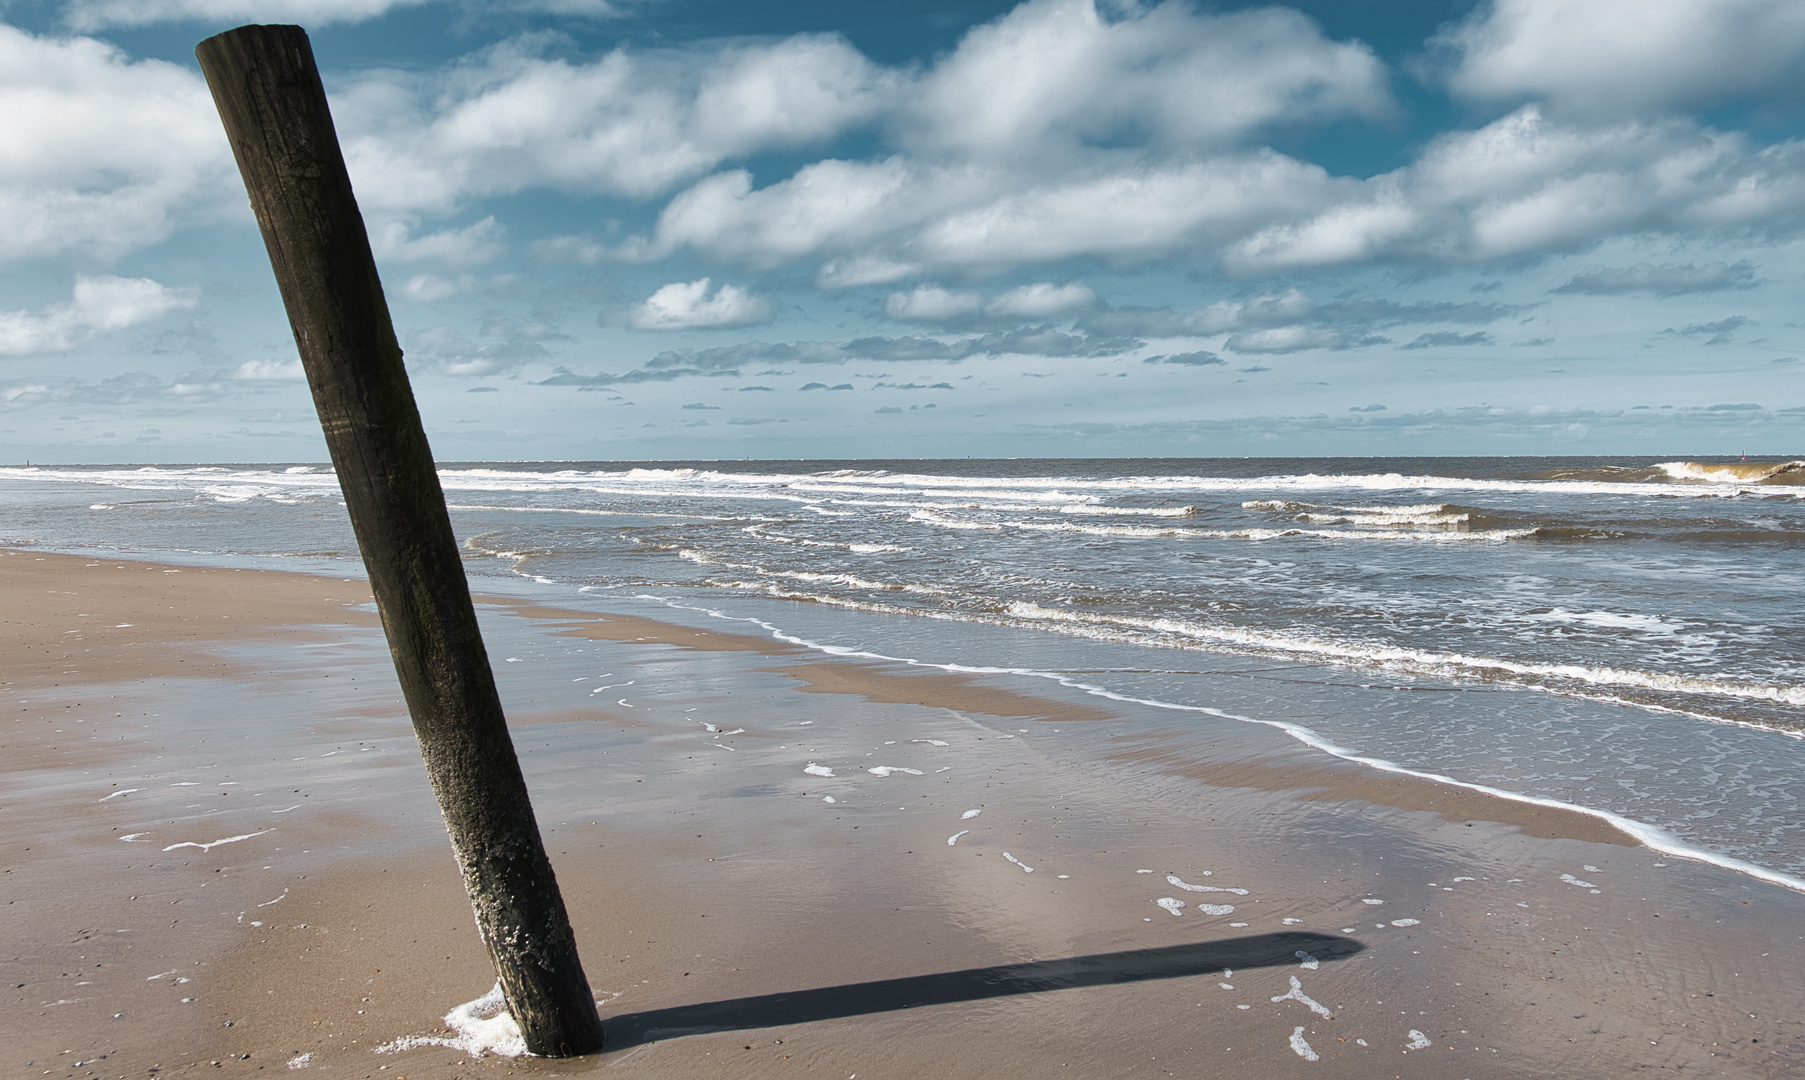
x=286 y=901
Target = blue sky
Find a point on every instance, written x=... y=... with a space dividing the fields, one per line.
x=613 y=229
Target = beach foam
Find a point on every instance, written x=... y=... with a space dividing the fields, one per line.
x=482 y=1026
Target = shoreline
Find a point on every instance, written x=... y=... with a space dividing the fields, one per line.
x=782 y=890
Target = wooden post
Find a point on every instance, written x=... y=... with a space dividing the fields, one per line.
x=269 y=94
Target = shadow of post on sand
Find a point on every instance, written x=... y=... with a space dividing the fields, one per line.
x=973 y=984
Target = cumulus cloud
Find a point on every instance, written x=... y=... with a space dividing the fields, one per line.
x=1527 y=183
x=1662 y=280
x=688 y=305
x=97 y=14
x=984 y=216
x=1625 y=57
x=1053 y=76
x=512 y=118
x=1052 y=83
x=1052 y=132
x=97 y=305
x=102 y=154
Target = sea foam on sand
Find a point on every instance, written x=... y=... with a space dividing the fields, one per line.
x=483 y=1026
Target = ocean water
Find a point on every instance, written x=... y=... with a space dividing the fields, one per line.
x=1622 y=635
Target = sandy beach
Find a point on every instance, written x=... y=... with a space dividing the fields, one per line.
x=221 y=856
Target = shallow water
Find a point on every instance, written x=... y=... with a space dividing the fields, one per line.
x=1623 y=635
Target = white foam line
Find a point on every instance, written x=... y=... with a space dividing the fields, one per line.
x=969 y=814
x=286 y=809
x=1171 y=904
x=1228 y=642
x=954 y=839
x=1433 y=663
x=116 y=794
x=1651 y=836
x=129 y=837
x=216 y=843
x=1025 y=867
x=277 y=900
x=886 y=770
x=1296 y=993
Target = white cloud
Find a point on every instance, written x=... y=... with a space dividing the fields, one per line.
x=867 y=269
x=1285 y=339
x=1042 y=300
x=98 y=304
x=828 y=204
x=428 y=288
x=688 y=305
x=1043 y=82
x=1050 y=133
x=268 y=371
x=102 y=155
x=1011 y=180
x=631 y=123
x=969 y=216
x=1621 y=57
x=471 y=245
x=1054 y=75
x=1527 y=184
x=96 y=14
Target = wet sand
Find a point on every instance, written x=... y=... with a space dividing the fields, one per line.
x=221 y=856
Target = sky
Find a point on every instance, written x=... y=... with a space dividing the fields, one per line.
x=694 y=229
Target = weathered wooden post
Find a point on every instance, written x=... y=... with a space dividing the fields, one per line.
x=269 y=94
